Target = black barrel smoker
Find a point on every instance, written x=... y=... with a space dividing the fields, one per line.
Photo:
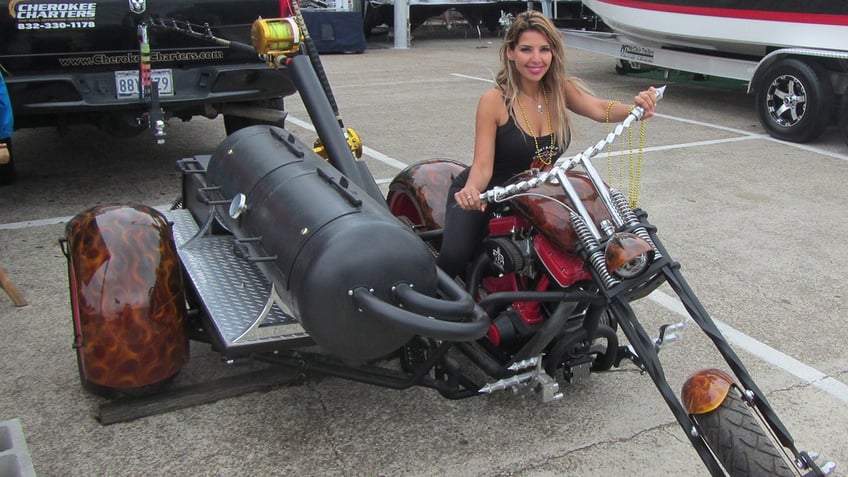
x=350 y=271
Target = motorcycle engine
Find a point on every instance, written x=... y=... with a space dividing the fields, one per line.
x=507 y=255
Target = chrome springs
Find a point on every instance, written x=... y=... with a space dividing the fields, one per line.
x=622 y=205
x=593 y=250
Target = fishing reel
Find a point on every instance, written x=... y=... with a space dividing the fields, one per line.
x=354 y=142
x=275 y=38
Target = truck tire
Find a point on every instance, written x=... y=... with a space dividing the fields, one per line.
x=7 y=170
x=233 y=123
x=794 y=100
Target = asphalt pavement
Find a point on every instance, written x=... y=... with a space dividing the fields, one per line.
x=755 y=223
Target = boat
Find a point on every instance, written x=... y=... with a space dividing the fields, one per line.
x=745 y=28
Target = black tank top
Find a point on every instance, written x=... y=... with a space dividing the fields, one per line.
x=515 y=151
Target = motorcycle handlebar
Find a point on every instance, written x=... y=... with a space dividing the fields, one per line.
x=499 y=194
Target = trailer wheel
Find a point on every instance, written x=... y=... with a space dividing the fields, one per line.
x=624 y=67
x=794 y=100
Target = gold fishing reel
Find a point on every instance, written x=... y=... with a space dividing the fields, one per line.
x=275 y=38
x=353 y=142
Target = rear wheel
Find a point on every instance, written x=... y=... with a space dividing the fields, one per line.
x=739 y=441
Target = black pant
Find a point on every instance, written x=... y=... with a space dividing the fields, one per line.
x=464 y=230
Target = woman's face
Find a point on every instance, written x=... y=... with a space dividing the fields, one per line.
x=531 y=55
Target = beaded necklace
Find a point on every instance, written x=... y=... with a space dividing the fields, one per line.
x=533 y=133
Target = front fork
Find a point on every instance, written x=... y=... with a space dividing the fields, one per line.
x=643 y=351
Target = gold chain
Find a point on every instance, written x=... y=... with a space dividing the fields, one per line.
x=533 y=133
x=637 y=182
x=609 y=147
x=635 y=169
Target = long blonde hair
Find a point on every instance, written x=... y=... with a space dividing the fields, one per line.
x=553 y=82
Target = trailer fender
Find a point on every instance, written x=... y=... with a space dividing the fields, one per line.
x=804 y=54
x=127 y=298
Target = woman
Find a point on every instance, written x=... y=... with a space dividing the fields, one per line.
x=522 y=122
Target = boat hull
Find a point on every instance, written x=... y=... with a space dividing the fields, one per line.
x=751 y=28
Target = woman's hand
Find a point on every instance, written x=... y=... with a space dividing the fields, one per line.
x=647 y=100
x=468 y=198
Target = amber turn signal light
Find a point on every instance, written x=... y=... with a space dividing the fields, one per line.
x=705 y=390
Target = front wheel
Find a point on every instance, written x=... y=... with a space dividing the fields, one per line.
x=738 y=440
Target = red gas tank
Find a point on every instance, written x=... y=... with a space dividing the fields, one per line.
x=541 y=206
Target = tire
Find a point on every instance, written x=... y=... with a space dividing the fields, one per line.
x=739 y=442
x=8 y=174
x=624 y=67
x=794 y=100
x=234 y=123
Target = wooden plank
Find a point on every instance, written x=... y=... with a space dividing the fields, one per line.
x=11 y=290
x=134 y=407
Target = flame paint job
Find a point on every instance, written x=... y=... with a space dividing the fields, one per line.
x=420 y=192
x=550 y=218
x=127 y=297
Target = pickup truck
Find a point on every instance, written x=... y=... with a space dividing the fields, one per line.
x=78 y=61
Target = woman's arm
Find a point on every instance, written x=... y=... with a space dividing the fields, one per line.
x=490 y=109
x=603 y=110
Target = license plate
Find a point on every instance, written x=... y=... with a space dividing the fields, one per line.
x=127 y=85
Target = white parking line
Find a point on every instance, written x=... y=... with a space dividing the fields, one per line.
x=750 y=135
x=34 y=223
x=379 y=156
x=763 y=351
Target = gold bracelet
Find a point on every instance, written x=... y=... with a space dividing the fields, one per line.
x=609 y=108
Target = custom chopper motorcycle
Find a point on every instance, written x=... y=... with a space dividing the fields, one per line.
x=289 y=253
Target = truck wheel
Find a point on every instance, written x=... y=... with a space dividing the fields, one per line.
x=7 y=170
x=233 y=123
x=794 y=100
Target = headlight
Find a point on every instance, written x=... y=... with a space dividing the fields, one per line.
x=627 y=255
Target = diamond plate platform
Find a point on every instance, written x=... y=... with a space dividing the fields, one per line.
x=233 y=292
